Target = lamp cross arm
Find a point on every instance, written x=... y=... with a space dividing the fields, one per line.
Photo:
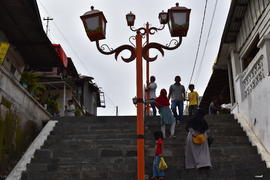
x=151 y=30
x=142 y=30
x=159 y=47
x=117 y=51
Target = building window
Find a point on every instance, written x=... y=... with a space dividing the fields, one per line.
x=251 y=53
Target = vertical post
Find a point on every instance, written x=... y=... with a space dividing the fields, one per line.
x=140 y=109
x=64 y=99
x=116 y=110
x=147 y=71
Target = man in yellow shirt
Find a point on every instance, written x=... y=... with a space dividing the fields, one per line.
x=193 y=97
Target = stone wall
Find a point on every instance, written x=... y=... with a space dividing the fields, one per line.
x=22 y=101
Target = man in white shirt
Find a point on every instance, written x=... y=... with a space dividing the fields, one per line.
x=152 y=86
x=177 y=94
x=70 y=108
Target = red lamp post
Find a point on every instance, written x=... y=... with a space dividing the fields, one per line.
x=95 y=26
x=163 y=17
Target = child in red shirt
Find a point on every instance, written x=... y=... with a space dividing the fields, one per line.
x=157 y=173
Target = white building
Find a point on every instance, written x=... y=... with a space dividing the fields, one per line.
x=241 y=72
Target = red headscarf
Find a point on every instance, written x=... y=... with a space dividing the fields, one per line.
x=162 y=100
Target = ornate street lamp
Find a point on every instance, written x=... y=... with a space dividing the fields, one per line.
x=95 y=26
x=163 y=17
x=178 y=20
x=130 y=19
x=94 y=23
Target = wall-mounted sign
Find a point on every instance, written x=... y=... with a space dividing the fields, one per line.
x=3 y=51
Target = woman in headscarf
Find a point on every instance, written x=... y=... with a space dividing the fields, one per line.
x=167 y=118
x=197 y=154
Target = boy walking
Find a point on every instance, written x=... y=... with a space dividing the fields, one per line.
x=193 y=98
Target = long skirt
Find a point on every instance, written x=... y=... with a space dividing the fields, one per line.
x=166 y=115
x=167 y=118
x=156 y=171
x=196 y=155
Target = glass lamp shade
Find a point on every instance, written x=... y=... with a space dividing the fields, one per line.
x=94 y=23
x=130 y=19
x=178 y=21
x=163 y=17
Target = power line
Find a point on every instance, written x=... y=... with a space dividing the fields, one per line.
x=111 y=101
x=66 y=41
x=206 y=43
x=198 y=48
x=115 y=107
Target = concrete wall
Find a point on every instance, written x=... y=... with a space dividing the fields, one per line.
x=252 y=90
x=23 y=103
x=255 y=109
x=252 y=85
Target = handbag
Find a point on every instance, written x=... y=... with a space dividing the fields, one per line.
x=198 y=139
x=162 y=164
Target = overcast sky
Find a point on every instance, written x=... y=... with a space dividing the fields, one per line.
x=117 y=78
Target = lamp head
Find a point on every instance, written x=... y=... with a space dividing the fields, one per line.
x=163 y=17
x=94 y=23
x=130 y=19
x=178 y=20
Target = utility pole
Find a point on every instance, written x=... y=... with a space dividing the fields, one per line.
x=116 y=110
x=47 y=24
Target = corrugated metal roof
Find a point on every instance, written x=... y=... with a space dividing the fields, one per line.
x=20 y=21
x=236 y=14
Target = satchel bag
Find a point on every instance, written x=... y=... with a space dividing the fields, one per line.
x=162 y=164
x=198 y=139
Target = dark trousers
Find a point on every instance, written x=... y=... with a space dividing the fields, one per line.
x=192 y=109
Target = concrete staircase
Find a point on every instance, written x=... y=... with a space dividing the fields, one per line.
x=232 y=156
x=96 y=148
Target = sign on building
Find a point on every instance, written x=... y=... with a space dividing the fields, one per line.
x=3 y=51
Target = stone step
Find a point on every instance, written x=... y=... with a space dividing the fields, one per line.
x=213 y=174
x=104 y=147
x=210 y=123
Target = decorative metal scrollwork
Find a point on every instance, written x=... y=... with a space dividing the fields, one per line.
x=152 y=30
x=142 y=30
x=160 y=48
x=117 y=51
x=132 y=38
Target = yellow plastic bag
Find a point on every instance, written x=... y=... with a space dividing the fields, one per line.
x=162 y=164
x=198 y=139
